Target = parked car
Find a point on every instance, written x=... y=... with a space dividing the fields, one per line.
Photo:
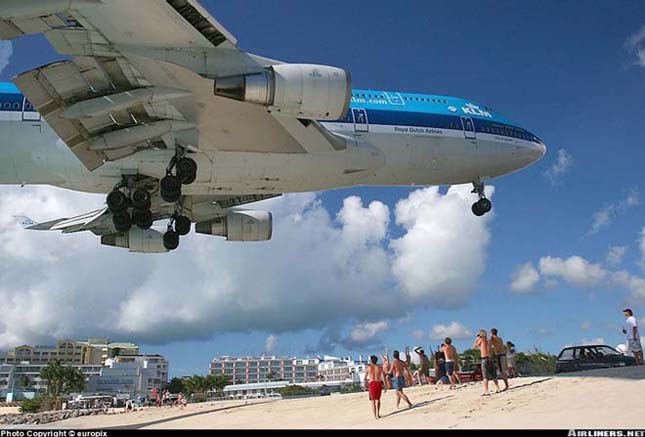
x=576 y=358
x=470 y=372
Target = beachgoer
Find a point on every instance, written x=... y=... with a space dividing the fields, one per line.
x=510 y=360
x=500 y=356
x=450 y=352
x=387 y=371
x=399 y=369
x=374 y=381
x=424 y=366
x=633 y=337
x=489 y=372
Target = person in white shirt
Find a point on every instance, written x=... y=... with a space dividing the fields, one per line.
x=633 y=338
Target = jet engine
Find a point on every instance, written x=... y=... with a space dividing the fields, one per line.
x=239 y=226
x=137 y=240
x=316 y=92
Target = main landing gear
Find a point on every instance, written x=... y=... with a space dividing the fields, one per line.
x=483 y=205
x=185 y=174
x=130 y=210
x=185 y=169
x=179 y=225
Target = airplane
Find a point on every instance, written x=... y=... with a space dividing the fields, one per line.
x=158 y=107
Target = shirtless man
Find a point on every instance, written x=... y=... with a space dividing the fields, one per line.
x=398 y=369
x=488 y=366
x=450 y=353
x=374 y=380
x=387 y=371
x=500 y=356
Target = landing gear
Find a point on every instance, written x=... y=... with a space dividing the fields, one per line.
x=483 y=205
x=141 y=199
x=122 y=221
x=186 y=173
x=171 y=240
x=182 y=225
x=117 y=201
x=142 y=218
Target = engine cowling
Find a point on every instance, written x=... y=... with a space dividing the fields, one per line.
x=239 y=226
x=316 y=92
x=137 y=240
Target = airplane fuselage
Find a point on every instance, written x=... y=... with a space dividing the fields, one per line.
x=417 y=139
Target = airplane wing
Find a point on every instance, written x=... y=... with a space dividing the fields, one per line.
x=140 y=76
x=99 y=222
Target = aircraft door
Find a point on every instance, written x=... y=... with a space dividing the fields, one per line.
x=28 y=113
x=469 y=128
x=361 y=124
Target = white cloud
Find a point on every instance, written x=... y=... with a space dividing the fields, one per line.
x=418 y=334
x=560 y=167
x=636 y=47
x=604 y=216
x=586 y=326
x=525 y=278
x=270 y=344
x=6 y=50
x=641 y=247
x=317 y=272
x=366 y=333
x=574 y=270
x=443 y=253
x=455 y=330
x=615 y=255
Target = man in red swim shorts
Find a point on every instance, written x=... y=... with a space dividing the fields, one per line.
x=374 y=379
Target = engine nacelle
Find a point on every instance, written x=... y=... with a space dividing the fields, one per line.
x=137 y=240
x=239 y=226
x=316 y=92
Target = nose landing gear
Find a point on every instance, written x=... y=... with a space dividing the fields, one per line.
x=483 y=205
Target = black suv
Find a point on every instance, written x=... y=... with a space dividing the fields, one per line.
x=573 y=359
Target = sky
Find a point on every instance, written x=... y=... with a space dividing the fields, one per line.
x=361 y=270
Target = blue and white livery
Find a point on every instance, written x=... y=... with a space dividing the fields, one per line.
x=161 y=110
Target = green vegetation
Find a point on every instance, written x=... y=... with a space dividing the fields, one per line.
x=197 y=384
x=297 y=390
x=535 y=362
x=62 y=380
x=30 y=405
x=351 y=388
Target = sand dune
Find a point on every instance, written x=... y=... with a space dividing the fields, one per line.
x=594 y=399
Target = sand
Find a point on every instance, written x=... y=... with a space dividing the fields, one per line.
x=606 y=398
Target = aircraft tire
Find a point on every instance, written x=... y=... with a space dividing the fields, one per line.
x=141 y=199
x=170 y=187
x=187 y=170
x=485 y=205
x=117 y=201
x=122 y=221
x=142 y=218
x=171 y=240
x=183 y=225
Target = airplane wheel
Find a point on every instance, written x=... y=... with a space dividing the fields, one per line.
x=141 y=199
x=187 y=170
x=170 y=187
x=183 y=225
x=482 y=207
x=117 y=201
x=142 y=218
x=171 y=240
x=122 y=221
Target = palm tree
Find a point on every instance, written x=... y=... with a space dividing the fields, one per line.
x=62 y=379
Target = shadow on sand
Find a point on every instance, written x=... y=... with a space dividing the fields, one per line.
x=416 y=406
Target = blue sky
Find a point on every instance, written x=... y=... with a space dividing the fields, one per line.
x=564 y=71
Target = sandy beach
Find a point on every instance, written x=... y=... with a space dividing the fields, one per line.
x=594 y=399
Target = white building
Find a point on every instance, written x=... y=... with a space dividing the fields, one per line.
x=131 y=375
x=254 y=370
x=25 y=376
x=345 y=370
